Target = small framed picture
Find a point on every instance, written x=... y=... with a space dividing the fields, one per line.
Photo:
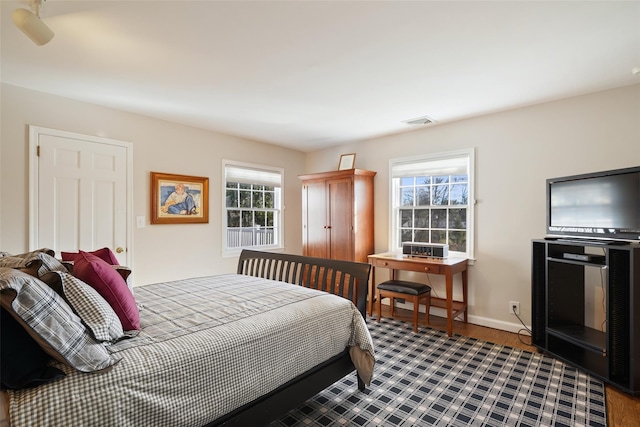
x=179 y=199
x=347 y=161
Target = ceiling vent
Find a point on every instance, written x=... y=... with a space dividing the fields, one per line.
x=420 y=121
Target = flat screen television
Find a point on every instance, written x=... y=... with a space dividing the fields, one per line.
x=601 y=205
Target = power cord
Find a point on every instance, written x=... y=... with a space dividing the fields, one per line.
x=522 y=330
x=603 y=325
x=433 y=291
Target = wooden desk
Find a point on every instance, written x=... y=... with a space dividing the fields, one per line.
x=447 y=267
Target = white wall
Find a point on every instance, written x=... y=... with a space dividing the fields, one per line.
x=161 y=252
x=516 y=151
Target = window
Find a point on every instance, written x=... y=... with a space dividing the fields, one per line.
x=253 y=201
x=432 y=200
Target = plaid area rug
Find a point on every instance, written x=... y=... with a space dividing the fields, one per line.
x=429 y=379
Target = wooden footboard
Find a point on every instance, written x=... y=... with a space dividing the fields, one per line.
x=347 y=279
x=344 y=278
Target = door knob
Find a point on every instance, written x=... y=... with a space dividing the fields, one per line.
x=119 y=250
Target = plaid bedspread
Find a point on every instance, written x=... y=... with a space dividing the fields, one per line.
x=207 y=346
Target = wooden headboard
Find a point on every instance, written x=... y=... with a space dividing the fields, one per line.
x=344 y=278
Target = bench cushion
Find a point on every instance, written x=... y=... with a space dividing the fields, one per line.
x=404 y=287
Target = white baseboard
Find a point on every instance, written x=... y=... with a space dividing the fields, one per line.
x=496 y=324
x=475 y=320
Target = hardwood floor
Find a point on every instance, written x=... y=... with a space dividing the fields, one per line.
x=623 y=410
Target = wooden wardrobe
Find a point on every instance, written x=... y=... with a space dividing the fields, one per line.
x=337 y=214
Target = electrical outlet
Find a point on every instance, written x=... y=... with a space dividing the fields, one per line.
x=514 y=307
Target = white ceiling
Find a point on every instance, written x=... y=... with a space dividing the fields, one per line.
x=310 y=74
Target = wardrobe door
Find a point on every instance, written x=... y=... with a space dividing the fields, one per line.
x=315 y=231
x=341 y=218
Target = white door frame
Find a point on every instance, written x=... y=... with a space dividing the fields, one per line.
x=34 y=137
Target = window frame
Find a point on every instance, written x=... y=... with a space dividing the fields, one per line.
x=467 y=154
x=279 y=197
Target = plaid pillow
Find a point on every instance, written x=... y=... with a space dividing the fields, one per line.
x=45 y=262
x=11 y=261
x=51 y=322
x=95 y=312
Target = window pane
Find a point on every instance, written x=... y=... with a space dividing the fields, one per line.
x=269 y=198
x=459 y=178
x=438 y=218
x=270 y=222
x=233 y=218
x=406 y=235
x=421 y=218
x=245 y=199
x=440 y=195
x=422 y=196
x=406 y=196
x=406 y=218
x=423 y=180
x=247 y=219
x=441 y=179
x=260 y=218
x=406 y=181
x=232 y=185
x=232 y=198
x=439 y=236
x=458 y=241
x=458 y=219
x=245 y=186
x=459 y=194
x=264 y=236
x=422 y=236
x=258 y=200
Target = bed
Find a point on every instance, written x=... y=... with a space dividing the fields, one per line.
x=232 y=349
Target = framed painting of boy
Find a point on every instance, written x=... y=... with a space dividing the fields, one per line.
x=179 y=199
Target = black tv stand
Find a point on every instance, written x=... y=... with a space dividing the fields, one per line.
x=558 y=310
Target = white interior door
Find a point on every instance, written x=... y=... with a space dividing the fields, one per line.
x=80 y=193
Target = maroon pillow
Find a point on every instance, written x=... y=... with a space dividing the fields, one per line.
x=104 y=254
x=110 y=284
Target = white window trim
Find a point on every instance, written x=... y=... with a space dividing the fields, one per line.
x=469 y=153
x=226 y=252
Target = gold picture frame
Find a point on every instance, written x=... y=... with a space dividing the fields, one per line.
x=347 y=161
x=179 y=199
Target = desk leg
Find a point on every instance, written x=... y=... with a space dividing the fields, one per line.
x=464 y=295
x=449 y=291
x=372 y=281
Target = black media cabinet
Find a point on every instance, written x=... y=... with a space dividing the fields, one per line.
x=558 y=308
